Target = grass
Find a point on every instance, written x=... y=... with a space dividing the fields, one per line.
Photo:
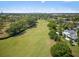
x=75 y=49
x=34 y=42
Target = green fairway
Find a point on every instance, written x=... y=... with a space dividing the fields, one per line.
x=34 y=42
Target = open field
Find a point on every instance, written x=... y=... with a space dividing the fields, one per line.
x=34 y=42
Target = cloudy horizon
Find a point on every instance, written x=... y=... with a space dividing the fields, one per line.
x=39 y=7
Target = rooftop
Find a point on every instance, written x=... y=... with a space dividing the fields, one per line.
x=71 y=34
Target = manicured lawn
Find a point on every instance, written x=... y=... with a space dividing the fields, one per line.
x=34 y=42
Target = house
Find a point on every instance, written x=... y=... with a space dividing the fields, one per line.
x=71 y=34
x=66 y=20
x=77 y=25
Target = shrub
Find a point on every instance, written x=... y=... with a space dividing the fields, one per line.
x=60 y=49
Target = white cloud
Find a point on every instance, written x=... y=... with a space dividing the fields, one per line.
x=42 y=1
x=63 y=10
x=42 y=10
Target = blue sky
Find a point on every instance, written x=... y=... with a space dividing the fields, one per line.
x=39 y=7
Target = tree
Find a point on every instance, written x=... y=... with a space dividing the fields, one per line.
x=78 y=32
x=21 y=25
x=52 y=24
x=16 y=27
x=61 y=49
x=78 y=41
x=53 y=35
x=78 y=37
x=31 y=21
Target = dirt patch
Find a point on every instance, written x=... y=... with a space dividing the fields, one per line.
x=3 y=35
x=51 y=42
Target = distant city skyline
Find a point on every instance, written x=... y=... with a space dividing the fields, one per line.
x=39 y=6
